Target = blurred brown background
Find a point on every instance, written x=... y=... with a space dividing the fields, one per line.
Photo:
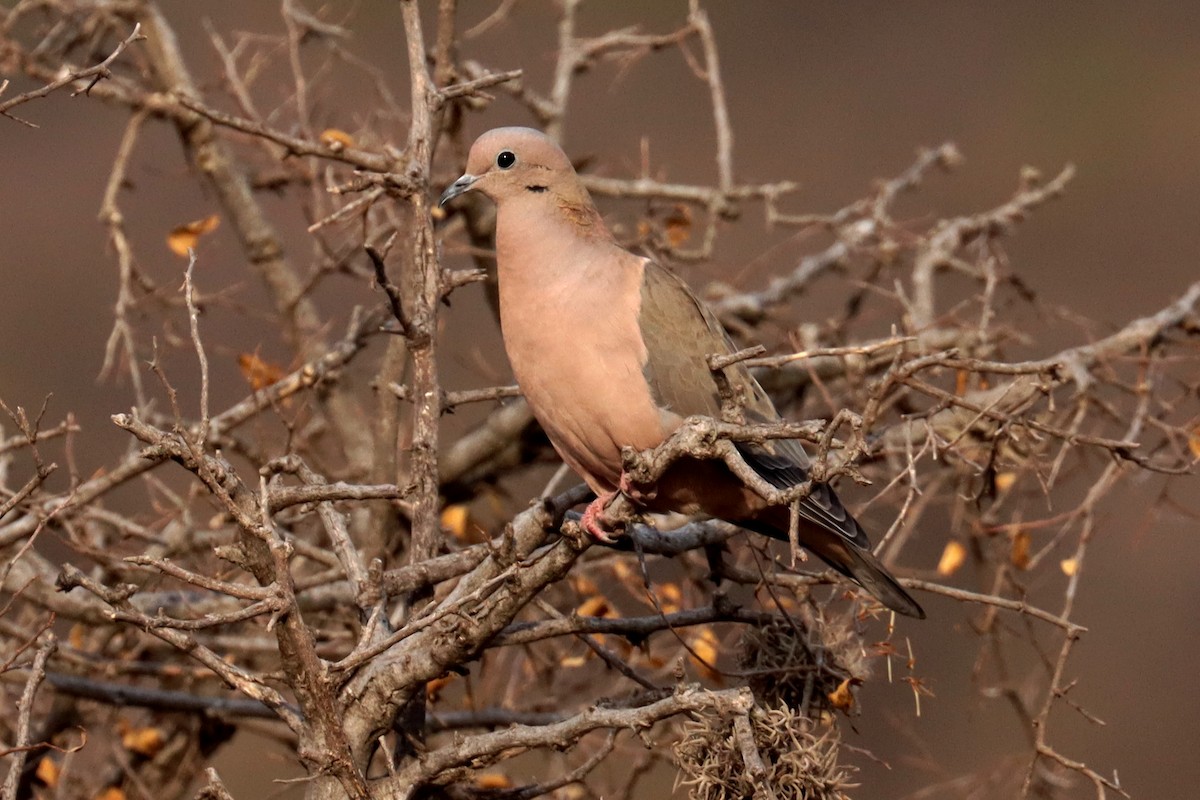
x=831 y=95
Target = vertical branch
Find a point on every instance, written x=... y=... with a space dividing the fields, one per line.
x=110 y=214
x=296 y=35
x=189 y=295
x=445 y=42
x=564 y=69
x=20 y=748
x=712 y=75
x=422 y=282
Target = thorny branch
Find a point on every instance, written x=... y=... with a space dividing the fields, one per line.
x=96 y=73
x=363 y=578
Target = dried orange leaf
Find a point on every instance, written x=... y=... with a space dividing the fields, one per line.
x=704 y=652
x=670 y=597
x=336 y=140
x=259 y=373
x=1005 y=481
x=679 y=225
x=77 y=636
x=596 y=606
x=433 y=689
x=574 y=791
x=184 y=238
x=785 y=602
x=842 y=698
x=47 y=771
x=584 y=585
x=962 y=380
x=705 y=644
x=143 y=741
x=112 y=793
x=1020 y=549
x=1069 y=566
x=572 y=661
x=952 y=558
x=493 y=780
x=455 y=519
x=1194 y=441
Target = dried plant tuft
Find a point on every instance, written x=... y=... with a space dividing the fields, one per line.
x=799 y=758
x=801 y=662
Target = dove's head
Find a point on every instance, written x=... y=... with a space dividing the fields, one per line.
x=508 y=163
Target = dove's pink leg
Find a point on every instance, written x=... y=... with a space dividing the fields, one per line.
x=593 y=517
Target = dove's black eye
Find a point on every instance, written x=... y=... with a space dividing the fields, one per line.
x=506 y=159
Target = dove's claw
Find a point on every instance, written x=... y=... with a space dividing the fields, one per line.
x=593 y=518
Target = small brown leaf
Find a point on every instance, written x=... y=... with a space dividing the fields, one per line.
x=336 y=140
x=624 y=572
x=259 y=373
x=47 y=771
x=1069 y=566
x=574 y=791
x=595 y=606
x=679 y=225
x=111 y=793
x=77 y=637
x=433 y=689
x=584 y=585
x=705 y=651
x=670 y=597
x=952 y=558
x=1021 y=543
x=493 y=780
x=962 y=380
x=1194 y=441
x=143 y=741
x=456 y=519
x=842 y=698
x=1005 y=480
x=184 y=238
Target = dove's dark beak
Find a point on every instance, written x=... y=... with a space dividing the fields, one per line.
x=458 y=187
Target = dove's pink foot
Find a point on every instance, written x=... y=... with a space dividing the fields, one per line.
x=593 y=518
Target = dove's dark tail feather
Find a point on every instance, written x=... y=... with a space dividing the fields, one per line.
x=845 y=556
x=863 y=567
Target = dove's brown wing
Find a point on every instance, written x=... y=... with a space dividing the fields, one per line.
x=680 y=332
